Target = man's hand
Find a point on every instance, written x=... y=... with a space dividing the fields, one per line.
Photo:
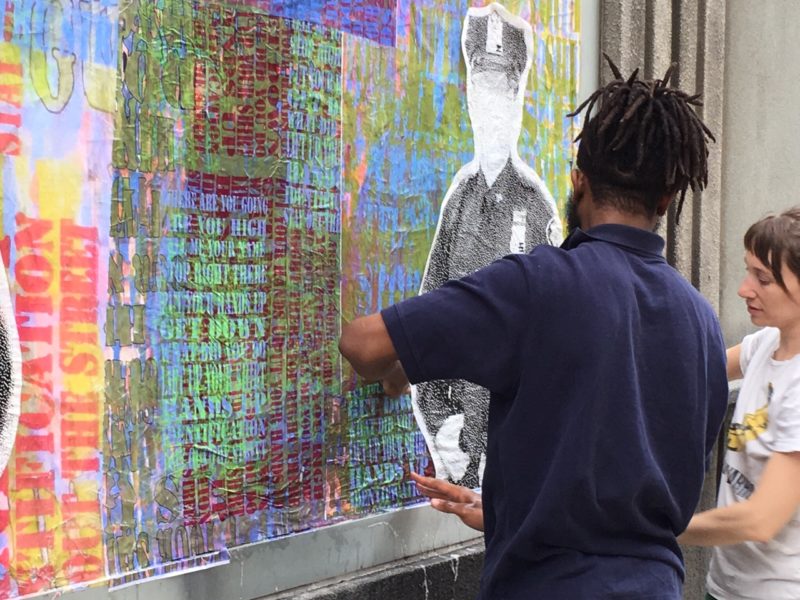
x=395 y=383
x=454 y=499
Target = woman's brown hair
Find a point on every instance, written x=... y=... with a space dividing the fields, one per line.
x=775 y=241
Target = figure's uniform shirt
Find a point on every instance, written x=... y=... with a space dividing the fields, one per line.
x=479 y=224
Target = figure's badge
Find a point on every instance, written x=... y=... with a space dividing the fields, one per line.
x=494 y=35
x=518 y=226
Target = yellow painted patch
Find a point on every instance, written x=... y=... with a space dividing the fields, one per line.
x=59 y=185
x=100 y=82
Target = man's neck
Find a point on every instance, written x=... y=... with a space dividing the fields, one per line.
x=606 y=215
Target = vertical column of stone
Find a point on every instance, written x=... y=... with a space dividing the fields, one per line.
x=622 y=35
x=651 y=34
x=681 y=230
x=658 y=38
x=711 y=82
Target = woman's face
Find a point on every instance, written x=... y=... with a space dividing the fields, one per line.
x=767 y=302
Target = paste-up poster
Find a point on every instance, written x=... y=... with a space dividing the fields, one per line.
x=496 y=205
x=195 y=195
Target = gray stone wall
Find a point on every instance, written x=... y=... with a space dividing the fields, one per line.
x=651 y=34
x=762 y=145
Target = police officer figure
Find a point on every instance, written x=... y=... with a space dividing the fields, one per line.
x=495 y=206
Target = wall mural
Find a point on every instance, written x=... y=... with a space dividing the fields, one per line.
x=194 y=195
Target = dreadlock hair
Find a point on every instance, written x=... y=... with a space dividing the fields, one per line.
x=775 y=241
x=644 y=141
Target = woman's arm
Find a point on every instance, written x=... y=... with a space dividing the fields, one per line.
x=734 y=366
x=758 y=519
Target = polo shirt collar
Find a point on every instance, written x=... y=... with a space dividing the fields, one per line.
x=633 y=238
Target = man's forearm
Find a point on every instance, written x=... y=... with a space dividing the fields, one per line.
x=371 y=370
x=366 y=344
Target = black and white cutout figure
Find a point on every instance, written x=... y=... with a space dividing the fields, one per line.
x=10 y=372
x=496 y=205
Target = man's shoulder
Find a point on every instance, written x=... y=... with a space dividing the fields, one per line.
x=584 y=259
x=690 y=310
x=549 y=269
x=542 y=263
x=681 y=284
x=547 y=256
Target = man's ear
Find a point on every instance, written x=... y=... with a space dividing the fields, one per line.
x=663 y=204
x=579 y=184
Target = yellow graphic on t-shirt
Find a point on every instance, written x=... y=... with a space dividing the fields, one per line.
x=752 y=426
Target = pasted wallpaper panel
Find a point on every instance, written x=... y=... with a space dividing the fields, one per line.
x=194 y=195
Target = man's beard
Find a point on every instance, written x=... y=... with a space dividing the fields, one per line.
x=573 y=220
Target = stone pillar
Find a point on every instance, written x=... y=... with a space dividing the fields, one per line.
x=651 y=34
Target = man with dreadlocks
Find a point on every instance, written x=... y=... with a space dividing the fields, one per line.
x=606 y=369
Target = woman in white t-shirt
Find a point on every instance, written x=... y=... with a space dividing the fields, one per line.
x=756 y=526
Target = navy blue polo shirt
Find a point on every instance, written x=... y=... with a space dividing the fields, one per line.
x=608 y=387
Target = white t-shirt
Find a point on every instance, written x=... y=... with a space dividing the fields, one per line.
x=766 y=420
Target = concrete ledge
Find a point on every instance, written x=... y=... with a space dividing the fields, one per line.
x=340 y=550
x=451 y=573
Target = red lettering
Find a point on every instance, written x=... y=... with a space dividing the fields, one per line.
x=5 y=252
x=84 y=543
x=25 y=481
x=42 y=333
x=36 y=420
x=34 y=304
x=11 y=93
x=73 y=403
x=73 y=467
x=84 y=434
x=83 y=362
x=82 y=567
x=34 y=273
x=10 y=68
x=34 y=541
x=80 y=309
x=9 y=143
x=30 y=233
x=74 y=231
x=77 y=284
x=13 y=119
x=76 y=508
x=33 y=507
x=34 y=443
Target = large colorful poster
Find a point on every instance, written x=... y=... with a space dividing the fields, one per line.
x=194 y=196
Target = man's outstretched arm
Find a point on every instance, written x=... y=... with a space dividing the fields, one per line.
x=366 y=344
